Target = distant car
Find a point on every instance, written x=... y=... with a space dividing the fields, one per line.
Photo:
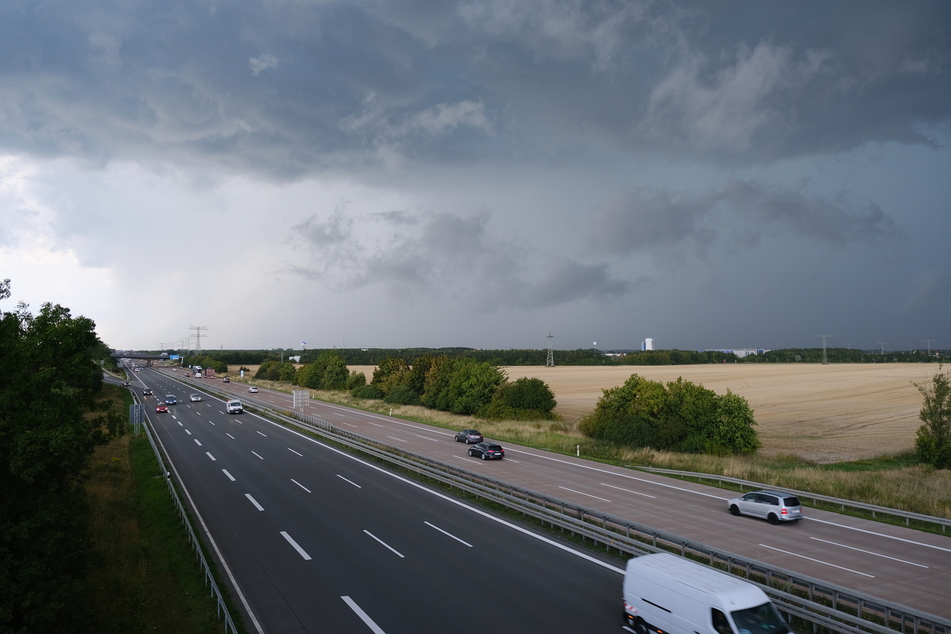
x=487 y=451
x=194 y=398
x=226 y=380
x=469 y=435
x=187 y=374
x=234 y=406
x=252 y=389
x=146 y=392
x=161 y=408
x=126 y=384
x=773 y=506
x=170 y=399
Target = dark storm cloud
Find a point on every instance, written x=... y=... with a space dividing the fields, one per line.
x=657 y=221
x=290 y=88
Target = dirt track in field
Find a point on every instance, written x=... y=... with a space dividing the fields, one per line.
x=821 y=413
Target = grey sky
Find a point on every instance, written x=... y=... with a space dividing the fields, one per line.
x=480 y=173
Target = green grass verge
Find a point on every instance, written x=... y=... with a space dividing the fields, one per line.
x=145 y=577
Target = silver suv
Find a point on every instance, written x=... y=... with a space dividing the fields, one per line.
x=770 y=505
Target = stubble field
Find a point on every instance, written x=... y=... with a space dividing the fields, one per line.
x=819 y=413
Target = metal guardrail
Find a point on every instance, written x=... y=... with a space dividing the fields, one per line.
x=222 y=607
x=842 y=504
x=825 y=606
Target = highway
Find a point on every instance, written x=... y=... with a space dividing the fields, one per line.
x=899 y=564
x=315 y=540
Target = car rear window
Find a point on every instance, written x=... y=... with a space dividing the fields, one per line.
x=792 y=500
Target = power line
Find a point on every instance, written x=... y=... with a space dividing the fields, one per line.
x=825 y=358
x=198 y=330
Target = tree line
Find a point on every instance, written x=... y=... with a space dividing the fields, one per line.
x=460 y=385
x=50 y=422
x=519 y=357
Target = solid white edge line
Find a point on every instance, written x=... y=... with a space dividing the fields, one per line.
x=363 y=615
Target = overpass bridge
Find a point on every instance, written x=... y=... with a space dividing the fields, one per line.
x=131 y=354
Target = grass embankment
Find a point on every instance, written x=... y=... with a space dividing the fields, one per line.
x=145 y=577
x=897 y=482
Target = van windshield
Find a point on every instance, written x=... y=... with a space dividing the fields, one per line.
x=763 y=619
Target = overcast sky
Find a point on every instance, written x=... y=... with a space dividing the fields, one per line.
x=482 y=174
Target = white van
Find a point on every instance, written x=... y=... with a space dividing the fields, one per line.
x=667 y=594
x=234 y=406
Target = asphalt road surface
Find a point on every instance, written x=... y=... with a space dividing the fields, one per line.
x=319 y=541
x=901 y=565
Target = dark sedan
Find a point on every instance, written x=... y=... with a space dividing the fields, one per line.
x=469 y=435
x=487 y=451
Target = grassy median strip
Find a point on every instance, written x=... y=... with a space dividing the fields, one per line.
x=145 y=577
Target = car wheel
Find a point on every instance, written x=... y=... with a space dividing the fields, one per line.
x=773 y=519
x=470 y=453
x=734 y=509
x=640 y=626
x=483 y=456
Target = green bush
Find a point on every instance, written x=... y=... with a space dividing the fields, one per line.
x=355 y=380
x=402 y=395
x=368 y=391
x=680 y=416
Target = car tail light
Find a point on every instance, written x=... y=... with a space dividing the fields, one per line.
x=785 y=511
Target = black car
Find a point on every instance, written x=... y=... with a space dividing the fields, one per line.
x=146 y=392
x=487 y=451
x=170 y=399
x=469 y=435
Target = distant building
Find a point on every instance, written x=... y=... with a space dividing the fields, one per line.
x=647 y=344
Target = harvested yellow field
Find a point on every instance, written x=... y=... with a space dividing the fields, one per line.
x=822 y=413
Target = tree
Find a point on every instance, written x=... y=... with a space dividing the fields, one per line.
x=680 y=416
x=523 y=399
x=734 y=429
x=335 y=374
x=933 y=441
x=472 y=386
x=49 y=381
x=388 y=374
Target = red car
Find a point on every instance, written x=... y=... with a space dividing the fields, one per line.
x=161 y=408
